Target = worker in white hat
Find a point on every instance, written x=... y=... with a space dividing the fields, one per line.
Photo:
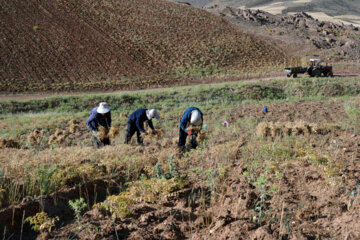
x=100 y=116
x=136 y=123
x=191 y=117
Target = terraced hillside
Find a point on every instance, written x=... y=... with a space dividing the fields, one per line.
x=84 y=45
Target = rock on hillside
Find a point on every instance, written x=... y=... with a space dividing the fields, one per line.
x=337 y=39
x=346 y=11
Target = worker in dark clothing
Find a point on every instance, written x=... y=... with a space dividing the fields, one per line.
x=191 y=117
x=136 y=123
x=100 y=116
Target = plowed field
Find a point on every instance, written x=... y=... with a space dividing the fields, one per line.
x=84 y=45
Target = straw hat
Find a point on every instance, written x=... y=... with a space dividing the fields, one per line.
x=103 y=108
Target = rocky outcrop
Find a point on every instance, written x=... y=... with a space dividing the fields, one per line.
x=340 y=39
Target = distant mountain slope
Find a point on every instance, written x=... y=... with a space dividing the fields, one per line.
x=59 y=45
x=347 y=11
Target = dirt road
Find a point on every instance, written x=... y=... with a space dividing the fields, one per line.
x=193 y=82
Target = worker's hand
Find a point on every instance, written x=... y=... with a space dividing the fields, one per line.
x=188 y=132
x=145 y=133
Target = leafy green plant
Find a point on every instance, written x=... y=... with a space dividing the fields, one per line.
x=260 y=207
x=77 y=206
x=41 y=222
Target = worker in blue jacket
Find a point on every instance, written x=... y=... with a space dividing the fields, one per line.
x=136 y=123
x=100 y=116
x=192 y=116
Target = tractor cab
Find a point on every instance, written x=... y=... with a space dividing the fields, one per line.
x=314 y=62
x=315 y=69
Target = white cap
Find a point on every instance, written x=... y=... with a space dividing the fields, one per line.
x=103 y=108
x=152 y=113
x=195 y=118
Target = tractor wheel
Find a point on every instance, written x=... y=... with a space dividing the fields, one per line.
x=330 y=74
x=288 y=75
x=316 y=73
x=294 y=75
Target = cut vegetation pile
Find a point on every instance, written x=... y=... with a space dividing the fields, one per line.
x=60 y=45
x=58 y=137
x=8 y=143
x=104 y=133
x=281 y=129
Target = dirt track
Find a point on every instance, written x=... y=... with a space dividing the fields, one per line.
x=192 y=82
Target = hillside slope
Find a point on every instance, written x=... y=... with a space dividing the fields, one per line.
x=346 y=11
x=59 y=45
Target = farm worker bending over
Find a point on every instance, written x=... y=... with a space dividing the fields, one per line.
x=100 y=116
x=136 y=123
x=191 y=117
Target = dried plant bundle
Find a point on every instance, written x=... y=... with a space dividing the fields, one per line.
x=280 y=129
x=114 y=131
x=36 y=135
x=194 y=129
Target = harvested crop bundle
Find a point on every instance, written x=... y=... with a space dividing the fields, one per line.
x=10 y=143
x=74 y=128
x=123 y=115
x=194 y=129
x=58 y=137
x=103 y=133
x=280 y=129
x=36 y=136
x=202 y=136
x=263 y=130
x=158 y=134
x=74 y=122
x=114 y=131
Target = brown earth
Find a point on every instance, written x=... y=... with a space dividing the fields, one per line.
x=85 y=45
x=311 y=200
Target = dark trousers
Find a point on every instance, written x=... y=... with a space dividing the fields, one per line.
x=182 y=139
x=131 y=129
x=98 y=143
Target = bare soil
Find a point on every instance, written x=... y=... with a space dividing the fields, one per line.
x=60 y=46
